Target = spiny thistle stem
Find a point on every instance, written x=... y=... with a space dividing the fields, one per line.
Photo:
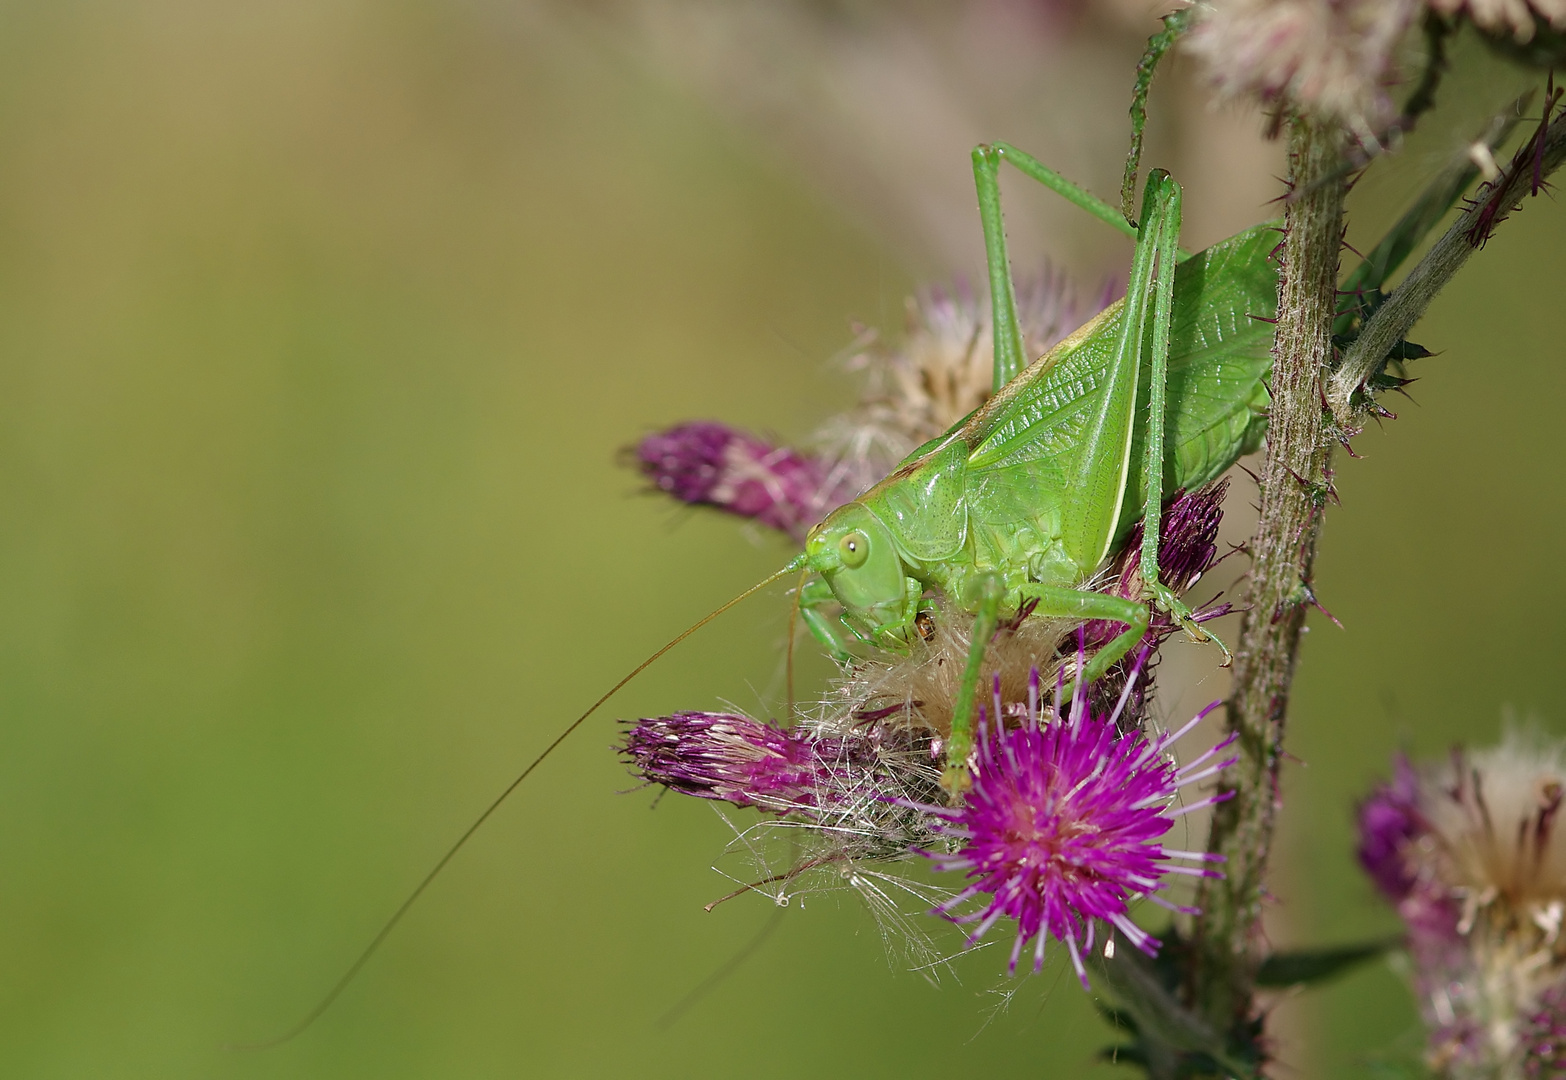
x=1531 y=166
x=1295 y=483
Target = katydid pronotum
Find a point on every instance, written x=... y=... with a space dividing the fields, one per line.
x=1023 y=499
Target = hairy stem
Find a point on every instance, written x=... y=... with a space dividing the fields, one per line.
x=1294 y=485
x=1525 y=175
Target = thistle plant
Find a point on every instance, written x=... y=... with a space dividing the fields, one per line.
x=1020 y=510
x=1059 y=835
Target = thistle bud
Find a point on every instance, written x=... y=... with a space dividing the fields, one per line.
x=710 y=464
x=746 y=762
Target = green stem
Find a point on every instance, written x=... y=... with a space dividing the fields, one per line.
x=1294 y=484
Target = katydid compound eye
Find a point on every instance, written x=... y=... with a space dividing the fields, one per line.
x=854 y=549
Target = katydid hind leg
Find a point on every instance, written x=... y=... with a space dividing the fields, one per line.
x=1007 y=331
x=1161 y=213
x=1098 y=471
x=1034 y=169
x=1010 y=357
x=1161 y=219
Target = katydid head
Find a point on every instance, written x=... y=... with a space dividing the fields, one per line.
x=856 y=556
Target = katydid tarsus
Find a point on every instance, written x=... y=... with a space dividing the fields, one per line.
x=1024 y=499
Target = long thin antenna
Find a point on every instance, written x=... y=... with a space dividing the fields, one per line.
x=391 y=924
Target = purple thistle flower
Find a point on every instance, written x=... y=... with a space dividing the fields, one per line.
x=1062 y=826
x=1469 y=852
x=711 y=464
x=745 y=762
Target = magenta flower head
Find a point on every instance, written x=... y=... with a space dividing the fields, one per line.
x=711 y=464
x=1063 y=826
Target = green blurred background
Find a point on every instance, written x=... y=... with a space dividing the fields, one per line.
x=320 y=328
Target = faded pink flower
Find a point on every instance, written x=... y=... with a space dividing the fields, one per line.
x=1333 y=58
x=1470 y=852
x=1517 y=18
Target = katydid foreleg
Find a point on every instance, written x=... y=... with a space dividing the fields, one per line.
x=891 y=628
x=1052 y=600
x=811 y=599
x=991 y=592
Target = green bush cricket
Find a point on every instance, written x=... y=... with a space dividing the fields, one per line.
x=1024 y=499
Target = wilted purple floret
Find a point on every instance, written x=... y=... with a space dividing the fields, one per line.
x=739 y=760
x=1390 y=823
x=1543 y=1037
x=1187 y=549
x=711 y=464
x=1188 y=535
x=1388 y=820
x=1062 y=827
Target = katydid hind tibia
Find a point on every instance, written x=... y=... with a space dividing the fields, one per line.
x=1023 y=499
